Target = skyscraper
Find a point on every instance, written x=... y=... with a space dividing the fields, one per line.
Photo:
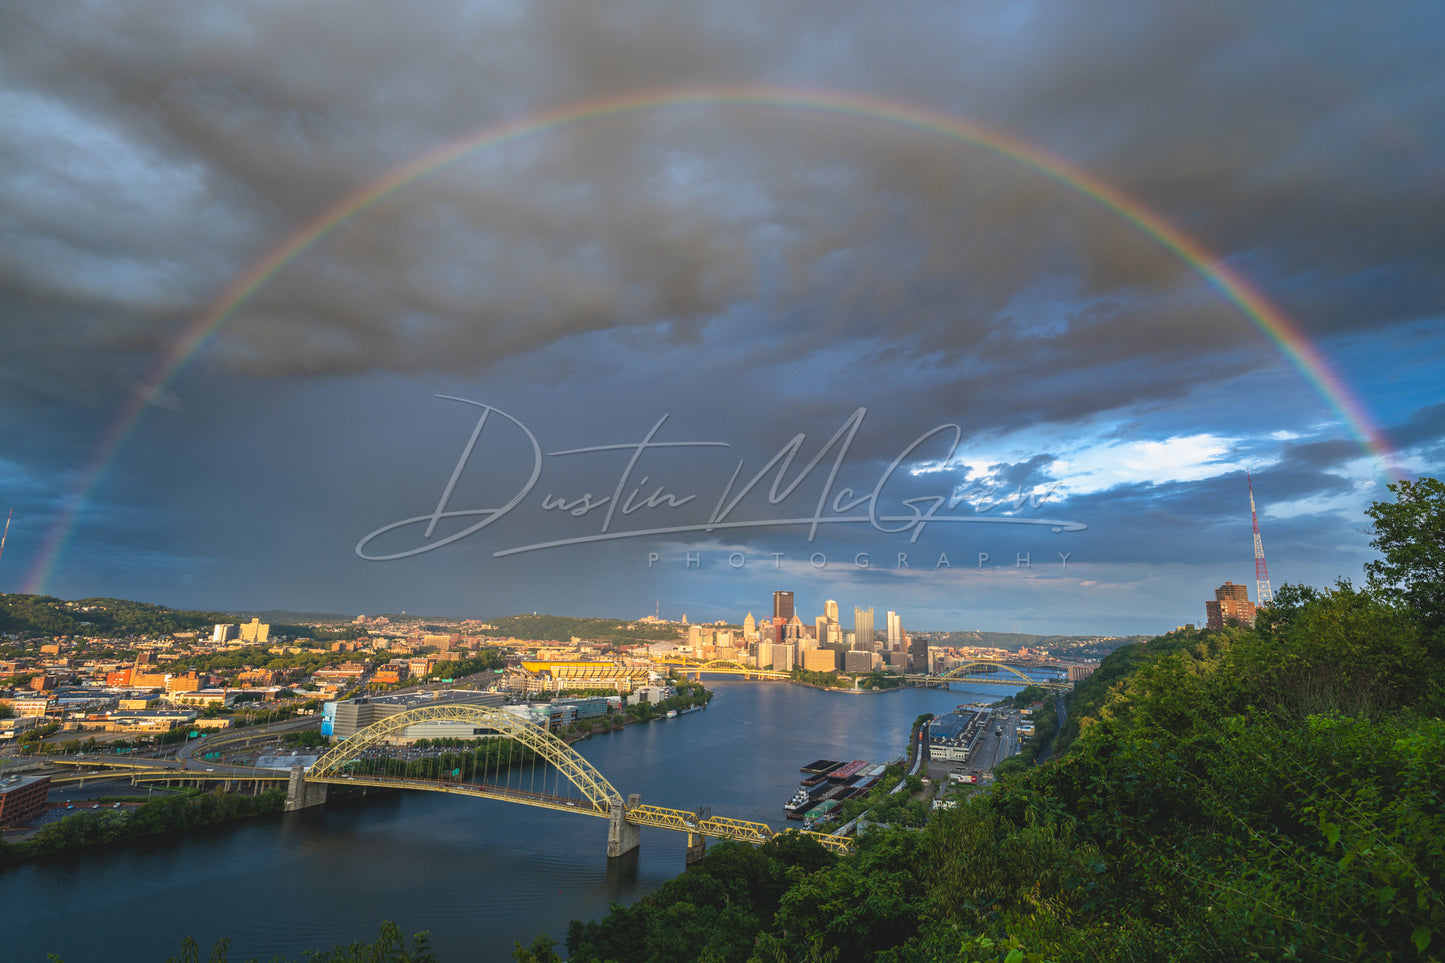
x=830 y=633
x=895 y=632
x=863 y=629
x=783 y=605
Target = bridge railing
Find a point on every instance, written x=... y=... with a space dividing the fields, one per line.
x=722 y=827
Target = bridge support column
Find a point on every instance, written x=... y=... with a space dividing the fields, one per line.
x=696 y=847
x=301 y=794
x=622 y=836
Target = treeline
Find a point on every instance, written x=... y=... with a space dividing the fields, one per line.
x=487 y=660
x=169 y=814
x=46 y=615
x=878 y=679
x=1271 y=793
x=260 y=657
x=810 y=677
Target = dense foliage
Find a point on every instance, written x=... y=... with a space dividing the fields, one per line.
x=1267 y=793
x=92 y=827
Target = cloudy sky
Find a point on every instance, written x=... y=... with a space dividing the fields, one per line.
x=975 y=311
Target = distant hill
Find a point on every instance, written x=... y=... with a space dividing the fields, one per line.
x=1074 y=646
x=284 y=616
x=561 y=628
x=46 y=615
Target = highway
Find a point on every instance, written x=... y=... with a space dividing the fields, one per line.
x=112 y=767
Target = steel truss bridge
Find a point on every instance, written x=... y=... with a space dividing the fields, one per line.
x=368 y=759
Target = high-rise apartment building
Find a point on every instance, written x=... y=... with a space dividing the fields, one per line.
x=255 y=632
x=863 y=629
x=783 y=605
x=1230 y=605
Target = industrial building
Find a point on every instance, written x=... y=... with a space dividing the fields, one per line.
x=22 y=798
x=342 y=720
x=952 y=737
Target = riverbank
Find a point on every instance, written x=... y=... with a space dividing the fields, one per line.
x=98 y=827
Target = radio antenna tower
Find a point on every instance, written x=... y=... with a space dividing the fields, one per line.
x=1263 y=594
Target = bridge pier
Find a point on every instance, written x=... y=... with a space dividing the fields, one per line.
x=622 y=836
x=696 y=847
x=301 y=794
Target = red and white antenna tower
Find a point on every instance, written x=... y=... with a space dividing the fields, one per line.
x=1263 y=594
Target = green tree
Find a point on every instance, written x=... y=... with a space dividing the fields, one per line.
x=541 y=951
x=1410 y=534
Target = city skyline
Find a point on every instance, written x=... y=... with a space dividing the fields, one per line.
x=988 y=316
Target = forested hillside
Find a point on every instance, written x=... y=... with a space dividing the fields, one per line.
x=1264 y=794
x=117 y=618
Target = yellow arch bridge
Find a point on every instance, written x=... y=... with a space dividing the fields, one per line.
x=977 y=672
x=988 y=672
x=521 y=763
x=719 y=666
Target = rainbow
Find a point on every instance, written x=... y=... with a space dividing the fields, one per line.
x=1232 y=286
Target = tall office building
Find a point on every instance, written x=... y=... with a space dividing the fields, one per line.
x=895 y=632
x=918 y=649
x=830 y=633
x=863 y=629
x=783 y=605
x=1230 y=604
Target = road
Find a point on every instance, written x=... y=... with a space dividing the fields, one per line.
x=186 y=754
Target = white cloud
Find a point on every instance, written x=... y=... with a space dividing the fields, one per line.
x=1183 y=458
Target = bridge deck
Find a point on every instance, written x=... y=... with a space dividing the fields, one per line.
x=678 y=820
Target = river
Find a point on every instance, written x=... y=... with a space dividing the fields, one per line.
x=477 y=874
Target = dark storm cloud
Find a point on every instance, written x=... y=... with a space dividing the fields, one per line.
x=148 y=180
x=1424 y=427
x=753 y=272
